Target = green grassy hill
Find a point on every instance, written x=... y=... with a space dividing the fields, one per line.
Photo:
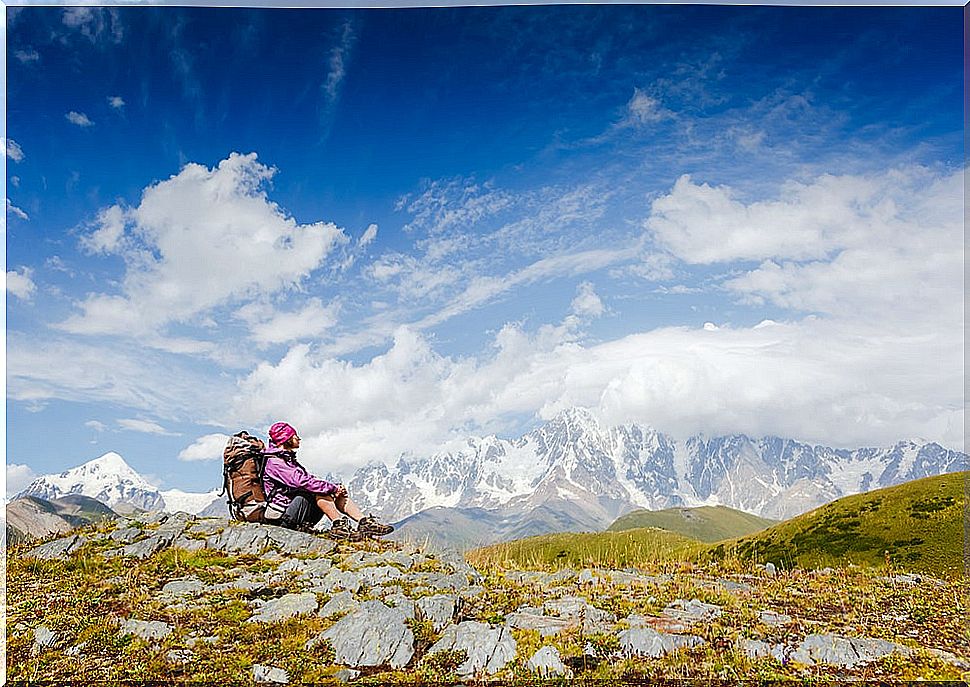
x=706 y=523
x=609 y=549
x=917 y=526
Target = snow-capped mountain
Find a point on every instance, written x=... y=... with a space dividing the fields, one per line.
x=573 y=474
x=110 y=480
x=575 y=468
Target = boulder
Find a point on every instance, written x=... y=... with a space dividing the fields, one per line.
x=339 y=603
x=645 y=641
x=373 y=635
x=547 y=663
x=488 y=649
x=438 y=610
x=246 y=538
x=291 y=541
x=268 y=675
x=692 y=611
x=65 y=546
x=845 y=652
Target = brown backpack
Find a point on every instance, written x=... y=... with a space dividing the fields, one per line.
x=243 y=463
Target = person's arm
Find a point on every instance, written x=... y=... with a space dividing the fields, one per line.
x=297 y=477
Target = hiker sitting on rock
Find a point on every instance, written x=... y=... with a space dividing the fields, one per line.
x=298 y=500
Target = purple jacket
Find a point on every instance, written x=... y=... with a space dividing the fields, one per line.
x=284 y=476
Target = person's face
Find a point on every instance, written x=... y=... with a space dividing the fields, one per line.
x=293 y=441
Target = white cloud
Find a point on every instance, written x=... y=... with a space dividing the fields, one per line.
x=208 y=447
x=270 y=325
x=20 y=284
x=95 y=23
x=644 y=109
x=200 y=239
x=14 y=151
x=16 y=212
x=111 y=372
x=116 y=101
x=337 y=68
x=587 y=303
x=78 y=118
x=145 y=427
x=18 y=478
x=96 y=425
x=15 y=181
x=814 y=380
x=27 y=56
x=368 y=236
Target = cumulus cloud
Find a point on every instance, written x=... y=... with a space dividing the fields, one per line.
x=587 y=302
x=20 y=284
x=145 y=427
x=14 y=151
x=208 y=447
x=813 y=380
x=18 y=478
x=200 y=239
x=16 y=212
x=116 y=101
x=96 y=425
x=78 y=118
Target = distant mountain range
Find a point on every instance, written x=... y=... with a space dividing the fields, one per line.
x=571 y=474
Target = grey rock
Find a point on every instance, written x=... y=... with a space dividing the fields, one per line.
x=150 y=545
x=488 y=648
x=438 y=610
x=125 y=535
x=471 y=592
x=188 y=544
x=842 y=651
x=373 y=635
x=189 y=586
x=378 y=575
x=339 y=603
x=644 y=641
x=338 y=579
x=547 y=663
x=292 y=542
x=246 y=538
x=287 y=606
x=770 y=569
x=755 y=649
x=692 y=611
x=153 y=517
x=207 y=526
x=363 y=559
x=268 y=675
x=44 y=638
x=577 y=607
x=454 y=582
x=773 y=619
x=586 y=576
x=346 y=674
x=312 y=567
x=619 y=577
x=149 y=630
x=401 y=559
x=65 y=546
x=402 y=603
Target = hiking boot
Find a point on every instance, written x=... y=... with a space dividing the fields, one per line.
x=341 y=530
x=369 y=527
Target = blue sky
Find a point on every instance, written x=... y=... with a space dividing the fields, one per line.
x=396 y=228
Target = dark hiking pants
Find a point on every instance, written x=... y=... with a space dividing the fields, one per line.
x=302 y=512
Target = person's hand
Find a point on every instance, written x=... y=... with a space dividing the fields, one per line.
x=340 y=491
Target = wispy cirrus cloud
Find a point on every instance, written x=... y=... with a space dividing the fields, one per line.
x=145 y=427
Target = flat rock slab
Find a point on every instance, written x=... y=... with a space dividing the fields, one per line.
x=373 y=635
x=287 y=606
x=149 y=630
x=845 y=652
x=207 y=526
x=152 y=544
x=378 y=575
x=526 y=619
x=755 y=649
x=339 y=603
x=773 y=619
x=125 y=535
x=245 y=538
x=304 y=569
x=488 y=648
x=291 y=541
x=337 y=579
x=65 y=546
x=189 y=586
x=645 y=641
